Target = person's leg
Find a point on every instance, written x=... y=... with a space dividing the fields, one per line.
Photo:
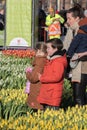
x=54 y=107
x=77 y=93
x=51 y=107
x=83 y=88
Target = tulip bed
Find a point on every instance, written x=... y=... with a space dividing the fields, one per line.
x=16 y=115
x=29 y=53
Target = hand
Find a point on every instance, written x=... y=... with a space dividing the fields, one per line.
x=75 y=57
x=82 y=54
x=57 y=19
x=39 y=75
x=29 y=69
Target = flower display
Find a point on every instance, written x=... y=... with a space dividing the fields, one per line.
x=20 y=53
x=14 y=112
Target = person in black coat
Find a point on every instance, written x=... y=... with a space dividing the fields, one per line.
x=41 y=22
x=2 y=18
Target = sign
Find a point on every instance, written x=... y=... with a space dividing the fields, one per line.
x=18 y=22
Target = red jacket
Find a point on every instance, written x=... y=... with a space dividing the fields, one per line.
x=52 y=81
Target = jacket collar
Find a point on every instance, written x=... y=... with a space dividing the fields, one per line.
x=57 y=54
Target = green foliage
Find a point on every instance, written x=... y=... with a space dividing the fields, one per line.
x=13 y=103
x=12 y=72
x=67 y=99
x=14 y=110
x=74 y=118
x=16 y=115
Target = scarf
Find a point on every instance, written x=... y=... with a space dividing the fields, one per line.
x=57 y=54
x=71 y=32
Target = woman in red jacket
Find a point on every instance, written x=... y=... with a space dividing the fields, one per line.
x=52 y=78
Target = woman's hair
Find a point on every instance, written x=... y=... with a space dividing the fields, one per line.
x=42 y=47
x=77 y=11
x=55 y=43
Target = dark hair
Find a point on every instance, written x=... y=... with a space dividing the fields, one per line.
x=77 y=11
x=55 y=43
x=41 y=46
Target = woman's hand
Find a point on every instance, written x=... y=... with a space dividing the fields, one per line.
x=82 y=54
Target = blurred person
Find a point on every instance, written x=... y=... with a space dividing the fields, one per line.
x=62 y=13
x=41 y=22
x=53 y=21
x=2 y=18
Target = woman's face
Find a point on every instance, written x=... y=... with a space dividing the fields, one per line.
x=51 y=12
x=71 y=20
x=50 y=50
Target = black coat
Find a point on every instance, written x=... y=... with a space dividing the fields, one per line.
x=79 y=43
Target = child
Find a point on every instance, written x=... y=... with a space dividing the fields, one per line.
x=38 y=64
x=52 y=78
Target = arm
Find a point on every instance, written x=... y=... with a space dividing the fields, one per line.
x=53 y=75
x=60 y=19
x=57 y=17
x=33 y=77
x=38 y=68
x=82 y=54
x=74 y=45
x=49 y=21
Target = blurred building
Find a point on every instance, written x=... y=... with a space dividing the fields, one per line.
x=63 y=4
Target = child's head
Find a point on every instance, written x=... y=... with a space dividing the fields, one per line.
x=54 y=45
x=41 y=49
